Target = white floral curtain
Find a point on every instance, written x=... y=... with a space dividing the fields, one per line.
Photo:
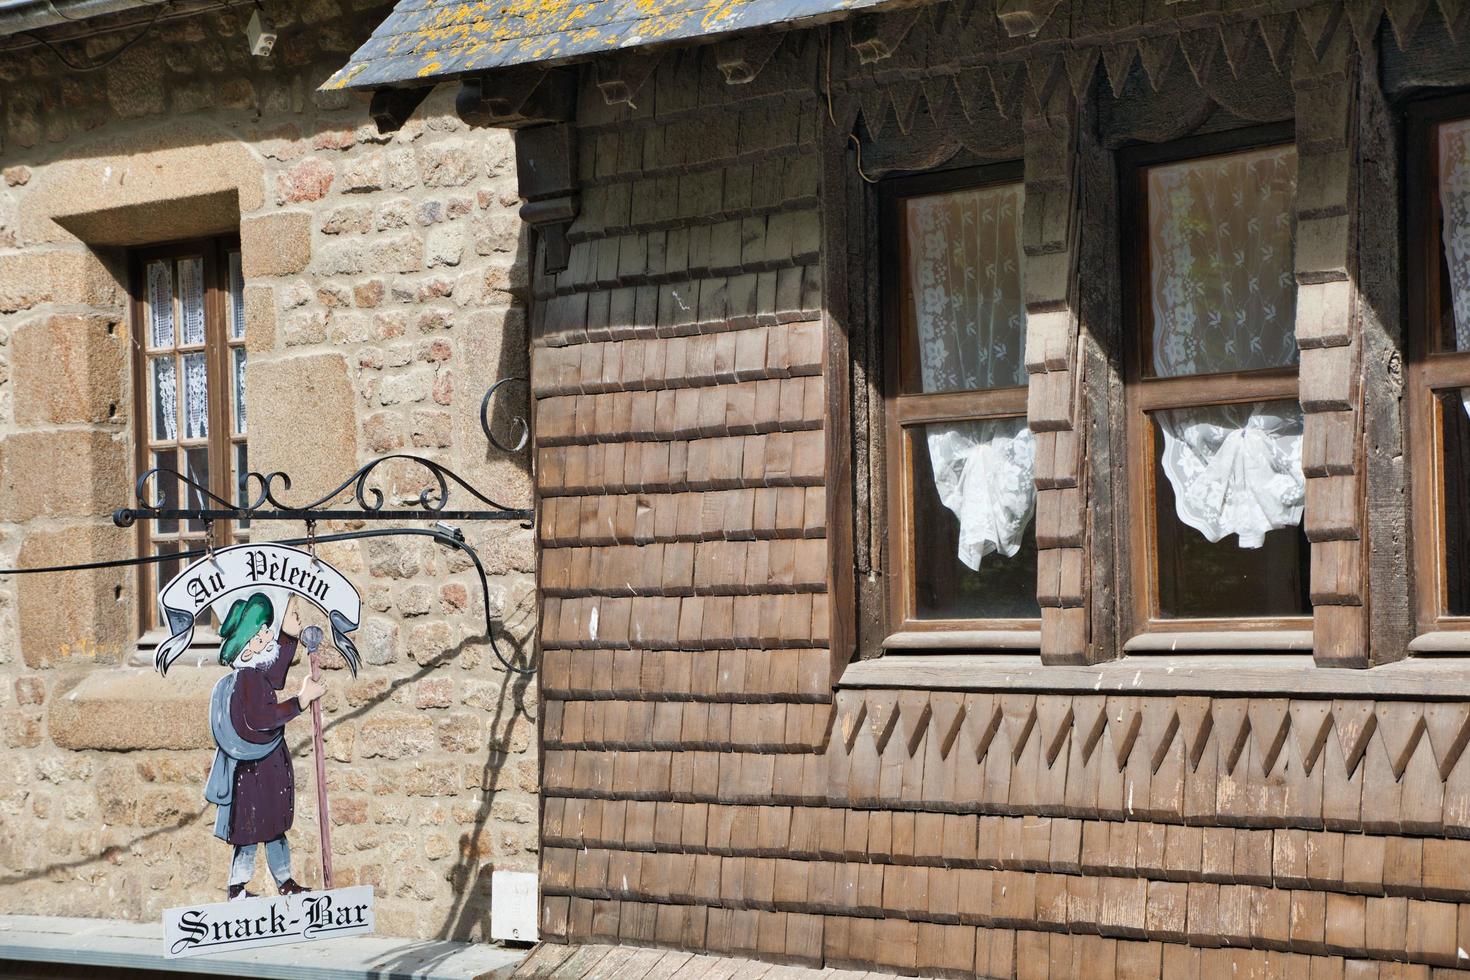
x=965 y=271
x=1224 y=299
x=1454 y=203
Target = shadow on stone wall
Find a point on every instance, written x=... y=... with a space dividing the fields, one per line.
x=470 y=878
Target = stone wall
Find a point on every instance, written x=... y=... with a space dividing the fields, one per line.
x=719 y=775
x=382 y=297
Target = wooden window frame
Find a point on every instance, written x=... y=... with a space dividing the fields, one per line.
x=1143 y=395
x=903 y=411
x=1427 y=368
x=222 y=440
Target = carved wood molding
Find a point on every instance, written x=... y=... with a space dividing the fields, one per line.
x=1236 y=60
x=1298 y=747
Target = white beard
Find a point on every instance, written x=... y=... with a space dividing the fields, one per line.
x=265 y=658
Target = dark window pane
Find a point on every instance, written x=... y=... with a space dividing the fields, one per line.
x=944 y=586
x=164 y=570
x=165 y=487
x=242 y=488
x=1455 y=428
x=1199 y=579
x=198 y=472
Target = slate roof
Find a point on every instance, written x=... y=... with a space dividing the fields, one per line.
x=432 y=40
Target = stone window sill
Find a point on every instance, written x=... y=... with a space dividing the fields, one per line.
x=1257 y=675
x=121 y=709
x=203 y=648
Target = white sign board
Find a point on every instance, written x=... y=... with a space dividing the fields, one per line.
x=513 y=906
x=276 y=570
x=248 y=923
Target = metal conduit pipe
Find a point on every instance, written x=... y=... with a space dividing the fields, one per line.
x=17 y=16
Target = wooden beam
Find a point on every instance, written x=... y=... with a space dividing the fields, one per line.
x=391 y=107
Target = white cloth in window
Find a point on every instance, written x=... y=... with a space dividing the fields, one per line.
x=1224 y=299
x=1454 y=204
x=1236 y=469
x=965 y=273
x=985 y=473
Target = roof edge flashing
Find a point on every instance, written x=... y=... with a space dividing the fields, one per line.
x=21 y=16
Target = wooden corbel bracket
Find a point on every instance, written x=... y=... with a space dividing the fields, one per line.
x=546 y=175
x=620 y=78
x=1022 y=18
x=518 y=98
x=741 y=60
x=877 y=36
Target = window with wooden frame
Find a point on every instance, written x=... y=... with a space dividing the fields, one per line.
x=1439 y=359
x=959 y=457
x=189 y=394
x=1214 y=427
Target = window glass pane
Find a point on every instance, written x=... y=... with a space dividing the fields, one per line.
x=165 y=398
x=160 y=305
x=197 y=461
x=237 y=371
x=974 y=537
x=191 y=299
x=1221 y=263
x=1454 y=411
x=1236 y=468
x=196 y=397
x=237 y=298
x=964 y=286
x=165 y=487
x=164 y=570
x=242 y=493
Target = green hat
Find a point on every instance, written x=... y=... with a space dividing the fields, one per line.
x=245 y=619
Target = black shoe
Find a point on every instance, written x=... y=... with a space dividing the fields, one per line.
x=238 y=891
x=289 y=887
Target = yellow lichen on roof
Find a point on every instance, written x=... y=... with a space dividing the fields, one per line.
x=447 y=38
x=721 y=12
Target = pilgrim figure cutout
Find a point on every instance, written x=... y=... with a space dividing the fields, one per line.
x=252 y=781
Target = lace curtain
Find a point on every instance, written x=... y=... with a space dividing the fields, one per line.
x=1224 y=299
x=965 y=272
x=1454 y=202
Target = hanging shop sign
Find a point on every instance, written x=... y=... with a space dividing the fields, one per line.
x=256 y=593
x=271 y=570
x=253 y=922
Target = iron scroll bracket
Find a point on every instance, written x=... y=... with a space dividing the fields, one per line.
x=258 y=492
x=356 y=499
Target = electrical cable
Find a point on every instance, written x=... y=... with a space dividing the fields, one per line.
x=116 y=54
x=852 y=137
x=173 y=12
x=440 y=536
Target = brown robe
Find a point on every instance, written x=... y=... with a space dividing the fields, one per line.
x=265 y=790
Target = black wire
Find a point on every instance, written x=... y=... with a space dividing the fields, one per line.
x=99 y=65
x=439 y=536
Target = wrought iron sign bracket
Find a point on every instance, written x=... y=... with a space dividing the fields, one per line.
x=259 y=500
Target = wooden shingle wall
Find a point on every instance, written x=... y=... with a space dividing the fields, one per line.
x=703 y=785
x=1327 y=330
x=1054 y=369
x=946 y=832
